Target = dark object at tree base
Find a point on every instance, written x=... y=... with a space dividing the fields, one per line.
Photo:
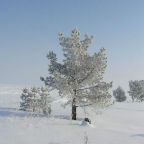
x=87 y=120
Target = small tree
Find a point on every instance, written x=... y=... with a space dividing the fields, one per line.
x=34 y=92
x=119 y=94
x=136 y=90
x=80 y=76
x=36 y=100
x=45 y=101
x=29 y=99
x=25 y=104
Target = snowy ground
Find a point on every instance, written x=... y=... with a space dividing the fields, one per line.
x=122 y=123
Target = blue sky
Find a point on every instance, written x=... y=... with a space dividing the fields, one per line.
x=29 y=28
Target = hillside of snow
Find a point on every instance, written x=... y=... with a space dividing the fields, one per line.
x=122 y=123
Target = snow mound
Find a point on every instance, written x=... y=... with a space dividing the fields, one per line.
x=86 y=124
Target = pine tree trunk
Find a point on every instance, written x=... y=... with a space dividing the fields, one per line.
x=74 y=114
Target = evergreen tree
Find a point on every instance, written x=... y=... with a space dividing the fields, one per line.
x=34 y=93
x=119 y=94
x=25 y=97
x=79 y=77
x=45 y=101
x=136 y=90
x=36 y=99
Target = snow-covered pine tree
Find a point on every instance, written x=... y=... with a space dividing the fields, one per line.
x=25 y=100
x=35 y=99
x=119 y=94
x=29 y=99
x=80 y=76
x=45 y=101
x=136 y=90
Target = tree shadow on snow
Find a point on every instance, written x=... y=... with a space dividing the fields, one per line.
x=8 y=112
x=13 y=112
x=66 y=117
x=53 y=143
x=138 y=135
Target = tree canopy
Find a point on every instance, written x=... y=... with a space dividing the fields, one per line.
x=79 y=77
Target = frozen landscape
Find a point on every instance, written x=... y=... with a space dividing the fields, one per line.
x=71 y=72
x=122 y=123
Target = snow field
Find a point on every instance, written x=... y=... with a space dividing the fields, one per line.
x=122 y=123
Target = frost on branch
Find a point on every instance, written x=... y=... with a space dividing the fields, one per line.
x=80 y=76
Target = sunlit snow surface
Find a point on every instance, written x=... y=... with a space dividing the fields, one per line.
x=122 y=123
